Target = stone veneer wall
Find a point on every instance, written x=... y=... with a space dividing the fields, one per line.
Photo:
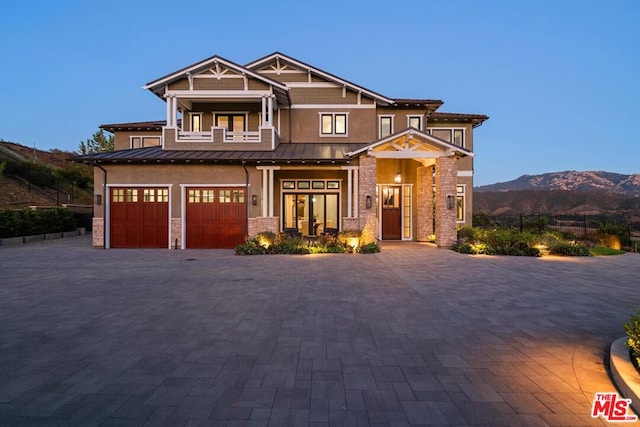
x=367 y=186
x=262 y=223
x=424 y=199
x=446 y=179
x=176 y=233
x=97 y=235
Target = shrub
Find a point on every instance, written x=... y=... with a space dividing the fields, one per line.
x=480 y=219
x=608 y=230
x=466 y=233
x=250 y=247
x=30 y=222
x=570 y=249
x=370 y=248
x=632 y=328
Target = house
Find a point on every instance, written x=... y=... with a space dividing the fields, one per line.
x=280 y=145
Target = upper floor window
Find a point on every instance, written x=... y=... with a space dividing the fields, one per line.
x=414 y=122
x=232 y=122
x=196 y=122
x=454 y=136
x=333 y=124
x=144 y=141
x=385 y=127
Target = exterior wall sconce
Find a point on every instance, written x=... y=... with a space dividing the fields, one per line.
x=98 y=199
x=397 y=178
x=451 y=202
x=254 y=200
x=368 y=201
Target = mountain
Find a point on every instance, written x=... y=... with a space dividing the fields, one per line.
x=571 y=181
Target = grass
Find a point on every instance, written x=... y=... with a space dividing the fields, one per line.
x=604 y=251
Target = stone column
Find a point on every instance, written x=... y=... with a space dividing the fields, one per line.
x=446 y=179
x=424 y=199
x=367 y=187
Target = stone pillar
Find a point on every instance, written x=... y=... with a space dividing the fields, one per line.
x=367 y=187
x=446 y=179
x=260 y=224
x=175 y=240
x=97 y=232
x=424 y=199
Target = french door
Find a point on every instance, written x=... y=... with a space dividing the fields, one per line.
x=310 y=214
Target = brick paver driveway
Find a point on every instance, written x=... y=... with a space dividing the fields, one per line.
x=413 y=335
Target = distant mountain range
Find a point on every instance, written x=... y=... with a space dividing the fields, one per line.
x=571 y=181
x=562 y=193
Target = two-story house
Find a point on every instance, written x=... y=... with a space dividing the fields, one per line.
x=280 y=145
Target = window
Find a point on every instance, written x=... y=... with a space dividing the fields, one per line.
x=414 y=122
x=196 y=122
x=333 y=124
x=238 y=196
x=131 y=195
x=149 y=195
x=386 y=126
x=144 y=141
x=225 y=196
x=208 y=196
x=231 y=122
x=460 y=202
x=194 y=196
x=162 y=195
x=454 y=136
x=117 y=195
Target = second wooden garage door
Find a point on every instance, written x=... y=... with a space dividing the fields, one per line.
x=216 y=217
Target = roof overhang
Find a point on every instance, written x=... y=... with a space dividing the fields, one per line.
x=157 y=86
x=328 y=76
x=411 y=144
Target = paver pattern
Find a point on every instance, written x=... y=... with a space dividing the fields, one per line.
x=410 y=336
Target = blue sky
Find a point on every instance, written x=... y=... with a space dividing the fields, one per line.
x=559 y=79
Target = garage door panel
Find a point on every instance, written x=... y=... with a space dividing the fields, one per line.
x=216 y=217
x=139 y=217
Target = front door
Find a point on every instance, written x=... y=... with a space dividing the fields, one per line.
x=391 y=213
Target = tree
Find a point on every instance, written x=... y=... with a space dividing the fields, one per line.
x=98 y=143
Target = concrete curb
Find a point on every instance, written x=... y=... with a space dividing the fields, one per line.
x=624 y=374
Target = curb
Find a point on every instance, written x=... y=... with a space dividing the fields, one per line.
x=624 y=374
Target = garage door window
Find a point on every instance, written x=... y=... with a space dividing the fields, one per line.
x=132 y=195
x=194 y=196
x=208 y=196
x=238 y=196
x=117 y=195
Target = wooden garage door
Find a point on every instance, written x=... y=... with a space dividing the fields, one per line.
x=216 y=217
x=139 y=217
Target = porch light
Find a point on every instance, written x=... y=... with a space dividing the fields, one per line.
x=397 y=178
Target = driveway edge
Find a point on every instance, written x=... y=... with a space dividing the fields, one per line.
x=624 y=374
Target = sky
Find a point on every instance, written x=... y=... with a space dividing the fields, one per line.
x=560 y=80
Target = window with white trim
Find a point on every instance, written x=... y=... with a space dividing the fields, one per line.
x=196 y=122
x=333 y=124
x=144 y=141
x=460 y=190
x=385 y=126
x=414 y=122
x=453 y=135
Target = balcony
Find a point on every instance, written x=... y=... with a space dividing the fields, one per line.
x=219 y=134
x=219 y=138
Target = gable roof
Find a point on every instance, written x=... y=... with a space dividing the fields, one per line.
x=203 y=65
x=411 y=133
x=277 y=56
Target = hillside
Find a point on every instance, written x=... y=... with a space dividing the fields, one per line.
x=556 y=202
x=588 y=181
x=54 y=179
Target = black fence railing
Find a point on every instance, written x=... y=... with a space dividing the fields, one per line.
x=576 y=226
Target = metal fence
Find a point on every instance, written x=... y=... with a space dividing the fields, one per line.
x=576 y=226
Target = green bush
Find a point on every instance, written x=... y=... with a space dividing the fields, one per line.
x=570 y=249
x=369 y=248
x=29 y=222
x=632 y=328
x=480 y=219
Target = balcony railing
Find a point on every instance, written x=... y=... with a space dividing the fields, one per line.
x=249 y=136
x=226 y=136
